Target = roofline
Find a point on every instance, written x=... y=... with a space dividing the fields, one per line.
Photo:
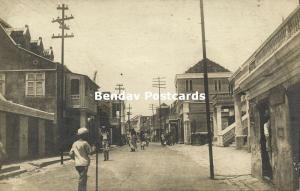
x=5 y=23
x=252 y=56
x=86 y=76
x=41 y=57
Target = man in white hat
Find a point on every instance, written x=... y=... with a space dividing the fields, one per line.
x=80 y=152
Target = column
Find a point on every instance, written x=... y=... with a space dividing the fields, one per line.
x=239 y=138
x=3 y=128
x=83 y=119
x=248 y=124
x=215 y=124
x=42 y=138
x=219 y=118
x=23 y=137
x=219 y=124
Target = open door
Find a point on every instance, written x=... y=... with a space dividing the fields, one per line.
x=265 y=141
x=294 y=111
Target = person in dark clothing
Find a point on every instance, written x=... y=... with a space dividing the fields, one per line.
x=143 y=140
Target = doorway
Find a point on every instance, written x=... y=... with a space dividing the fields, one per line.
x=266 y=140
x=294 y=120
x=12 y=136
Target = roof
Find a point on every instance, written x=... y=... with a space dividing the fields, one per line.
x=211 y=67
x=4 y=24
x=10 y=107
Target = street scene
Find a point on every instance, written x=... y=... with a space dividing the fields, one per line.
x=149 y=95
x=147 y=170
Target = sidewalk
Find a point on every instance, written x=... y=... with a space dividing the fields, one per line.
x=18 y=168
x=21 y=167
x=231 y=166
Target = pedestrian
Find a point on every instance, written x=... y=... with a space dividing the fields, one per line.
x=105 y=144
x=163 y=139
x=80 y=152
x=143 y=140
x=3 y=154
x=133 y=140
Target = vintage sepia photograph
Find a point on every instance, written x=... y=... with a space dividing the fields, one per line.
x=149 y=95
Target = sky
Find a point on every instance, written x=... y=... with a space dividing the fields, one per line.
x=144 y=39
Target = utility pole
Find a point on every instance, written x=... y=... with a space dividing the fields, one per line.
x=129 y=114
x=120 y=88
x=159 y=83
x=97 y=137
x=211 y=162
x=152 y=107
x=60 y=83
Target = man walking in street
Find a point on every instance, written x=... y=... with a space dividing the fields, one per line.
x=80 y=152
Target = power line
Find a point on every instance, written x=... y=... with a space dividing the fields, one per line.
x=62 y=25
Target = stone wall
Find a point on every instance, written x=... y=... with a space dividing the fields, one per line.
x=282 y=157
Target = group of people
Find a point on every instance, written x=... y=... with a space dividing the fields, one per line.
x=133 y=138
x=167 y=139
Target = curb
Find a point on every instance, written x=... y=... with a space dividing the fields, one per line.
x=16 y=170
x=11 y=174
x=47 y=163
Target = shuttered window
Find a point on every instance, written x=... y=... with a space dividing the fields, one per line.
x=35 y=84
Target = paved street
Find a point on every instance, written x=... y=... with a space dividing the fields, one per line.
x=156 y=168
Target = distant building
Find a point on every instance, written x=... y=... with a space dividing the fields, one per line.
x=192 y=114
x=111 y=118
x=160 y=122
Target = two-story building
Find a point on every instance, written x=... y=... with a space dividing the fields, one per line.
x=268 y=86
x=192 y=113
x=28 y=76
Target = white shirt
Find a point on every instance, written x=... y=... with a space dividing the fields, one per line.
x=81 y=151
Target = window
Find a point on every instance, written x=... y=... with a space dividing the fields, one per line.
x=75 y=87
x=186 y=85
x=2 y=84
x=35 y=84
x=216 y=85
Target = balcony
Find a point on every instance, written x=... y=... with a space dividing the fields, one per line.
x=114 y=121
x=82 y=102
x=280 y=38
x=222 y=99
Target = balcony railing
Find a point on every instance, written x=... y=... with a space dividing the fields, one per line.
x=84 y=102
x=226 y=136
x=284 y=33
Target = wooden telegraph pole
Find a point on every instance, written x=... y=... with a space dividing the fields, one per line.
x=120 y=88
x=211 y=162
x=159 y=83
x=129 y=114
x=60 y=78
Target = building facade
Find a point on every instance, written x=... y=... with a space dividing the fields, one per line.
x=29 y=77
x=26 y=133
x=269 y=83
x=192 y=113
